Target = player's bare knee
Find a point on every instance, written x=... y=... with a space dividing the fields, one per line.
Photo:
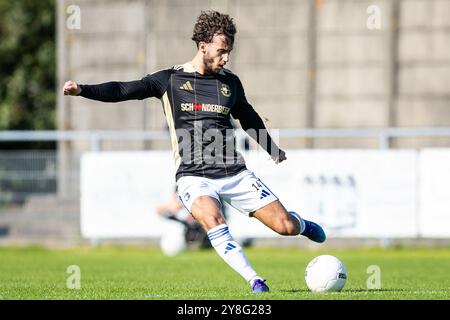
x=207 y=213
x=212 y=221
x=209 y=220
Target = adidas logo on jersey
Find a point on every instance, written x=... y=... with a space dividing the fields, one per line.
x=264 y=194
x=187 y=86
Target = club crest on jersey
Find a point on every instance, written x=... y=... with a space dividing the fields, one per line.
x=225 y=90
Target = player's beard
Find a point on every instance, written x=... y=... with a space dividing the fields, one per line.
x=208 y=62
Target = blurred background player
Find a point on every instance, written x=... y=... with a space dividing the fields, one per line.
x=192 y=231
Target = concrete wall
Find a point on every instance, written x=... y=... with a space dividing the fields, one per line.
x=304 y=64
x=424 y=68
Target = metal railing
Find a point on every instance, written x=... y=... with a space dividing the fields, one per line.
x=384 y=135
x=32 y=172
x=96 y=137
x=26 y=173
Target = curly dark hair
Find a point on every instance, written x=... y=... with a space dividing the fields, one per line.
x=211 y=23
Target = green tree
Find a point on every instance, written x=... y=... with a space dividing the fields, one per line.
x=27 y=66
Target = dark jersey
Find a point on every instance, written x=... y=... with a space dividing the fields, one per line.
x=197 y=109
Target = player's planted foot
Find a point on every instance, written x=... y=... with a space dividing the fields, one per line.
x=259 y=286
x=313 y=231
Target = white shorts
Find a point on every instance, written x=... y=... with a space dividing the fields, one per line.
x=244 y=191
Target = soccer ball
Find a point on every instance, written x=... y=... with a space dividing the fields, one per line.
x=325 y=273
x=172 y=240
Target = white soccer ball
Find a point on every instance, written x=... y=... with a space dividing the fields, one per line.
x=325 y=273
x=172 y=241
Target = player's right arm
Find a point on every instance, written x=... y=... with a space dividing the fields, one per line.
x=153 y=85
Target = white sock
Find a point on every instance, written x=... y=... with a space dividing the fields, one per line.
x=230 y=251
x=300 y=220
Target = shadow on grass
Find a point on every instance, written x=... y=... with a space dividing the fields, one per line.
x=295 y=291
x=361 y=290
x=373 y=290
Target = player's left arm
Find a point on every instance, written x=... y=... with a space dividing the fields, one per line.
x=250 y=119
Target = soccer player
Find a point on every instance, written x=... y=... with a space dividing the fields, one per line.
x=199 y=97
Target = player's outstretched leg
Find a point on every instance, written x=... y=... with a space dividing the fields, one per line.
x=288 y=223
x=232 y=253
x=207 y=211
x=310 y=229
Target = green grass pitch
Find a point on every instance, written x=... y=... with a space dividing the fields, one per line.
x=144 y=273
